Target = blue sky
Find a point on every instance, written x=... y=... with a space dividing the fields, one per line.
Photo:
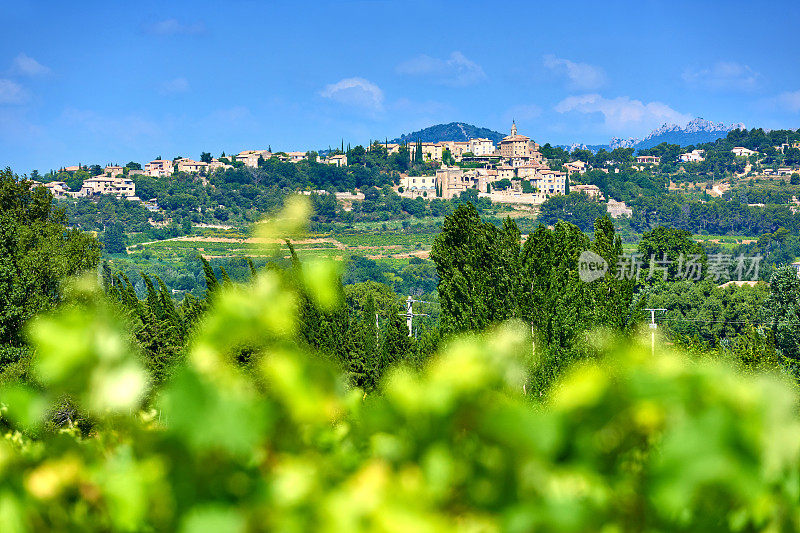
x=101 y=82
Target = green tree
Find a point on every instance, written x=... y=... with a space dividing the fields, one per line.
x=324 y=206
x=576 y=208
x=205 y=157
x=74 y=180
x=478 y=278
x=356 y=155
x=782 y=312
x=556 y=305
x=114 y=238
x=501 y=185
x=485 y=277
x=612 y=297
x=447 y=157
x=37 y=253
x=670 y=248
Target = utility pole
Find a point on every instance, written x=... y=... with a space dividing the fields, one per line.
x=653 y=327
x=409 y=314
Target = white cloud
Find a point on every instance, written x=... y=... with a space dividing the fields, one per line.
x=174 y=86
x=12 y=92
x=581 y=76
x=356 y=92
x=25 y=65
x=723 y=75
x=173 y=26
x=789 y=101
x=456 y=70
x=623 y=115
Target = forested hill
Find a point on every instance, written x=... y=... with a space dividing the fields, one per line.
x=455 y=131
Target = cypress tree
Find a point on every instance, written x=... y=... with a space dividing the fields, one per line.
x=107 y=278
x=212 y=284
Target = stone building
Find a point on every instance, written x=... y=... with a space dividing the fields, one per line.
x=452 y=181
x=113 y=171
x=120 y=186
x=414 y=186
x=158 y=168
x=191 y=166
x=517 y=146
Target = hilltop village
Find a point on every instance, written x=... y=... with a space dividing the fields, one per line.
x=514 y=171
x=389 y=181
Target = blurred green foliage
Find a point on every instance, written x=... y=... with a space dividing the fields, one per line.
x=626 y=442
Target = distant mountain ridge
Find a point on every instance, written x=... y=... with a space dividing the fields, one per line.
x=696 y=131
x=454 y=131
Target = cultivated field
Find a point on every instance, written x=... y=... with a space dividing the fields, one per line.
x=374 y=245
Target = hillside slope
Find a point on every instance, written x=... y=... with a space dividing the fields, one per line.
x=454 y=131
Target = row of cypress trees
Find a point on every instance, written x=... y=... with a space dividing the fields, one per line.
x=364 y=336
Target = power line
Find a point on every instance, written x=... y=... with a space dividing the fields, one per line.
x=714 y=321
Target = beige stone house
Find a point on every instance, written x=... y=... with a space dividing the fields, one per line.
x=295 y=157
x=58 y=189
x=740 y=151
x=340 y=160
x=575 y=166
x=113 y=171
x=118 y=186
x=191 y=166
x=592 y=191
x=430 y=151
x=215 y=164
x=480 y=147
x=250 y=157
x=414 y=186
x=453 y=181
x=159 y=168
